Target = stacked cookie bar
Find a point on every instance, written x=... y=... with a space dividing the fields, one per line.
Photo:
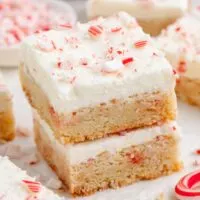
x=104 y=104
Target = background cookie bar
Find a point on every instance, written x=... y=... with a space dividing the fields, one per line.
x=180 y=43
x=152 y=15
x=7 y=122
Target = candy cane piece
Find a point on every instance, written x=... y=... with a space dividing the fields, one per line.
x=187 y=187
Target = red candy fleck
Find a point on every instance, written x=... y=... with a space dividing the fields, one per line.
x=198 y=151
x=174 y=72
x=178 y=29
x=135 y=158
x=119 y=52
x=140 y=43
x=95 y=31
x=66 y=26
x=116 y=29
x=33 y=186
x=59 y=64
x=174 y=128
x=181 y=67
x=83 y=61
x=127 y=60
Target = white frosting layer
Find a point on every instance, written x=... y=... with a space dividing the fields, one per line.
x=181 y=44
x=138 y=8
x=76 y=68
x=81 y=152
x=12 y=187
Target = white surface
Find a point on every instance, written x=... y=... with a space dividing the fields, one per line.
x=82 y=152
x=10 y=56
x=147 y=190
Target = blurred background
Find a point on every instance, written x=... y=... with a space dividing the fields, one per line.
x=79 y=5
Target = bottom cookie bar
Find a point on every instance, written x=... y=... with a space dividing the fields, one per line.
x=17 y=185
x=112 y=162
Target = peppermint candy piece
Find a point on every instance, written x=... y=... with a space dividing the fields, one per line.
x=33 y=186
x=140 y=43
x=45 y=44
x=188 y=187
x=95 y=31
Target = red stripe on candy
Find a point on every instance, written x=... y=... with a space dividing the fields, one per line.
x=116 y=29
x=95 y=31
x=33 y=186
x=140 y=43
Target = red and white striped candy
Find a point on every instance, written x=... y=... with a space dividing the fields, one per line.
x=188 y=188
x=95 y=31
x=127 y=61
x=140 y=43
x=33 y=186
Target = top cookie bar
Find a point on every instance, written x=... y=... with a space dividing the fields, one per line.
x=97 y=79
x=152 y=15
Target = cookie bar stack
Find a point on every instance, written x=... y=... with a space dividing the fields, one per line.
x=103 y=102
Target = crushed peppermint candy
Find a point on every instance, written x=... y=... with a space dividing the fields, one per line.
x=45 y=44
x=197 y=151
x=127 y=61
x=32 y=186
x=65 y=26
x=22 y=18
x=95 y=31
x=140 y=43
x=116 y=29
